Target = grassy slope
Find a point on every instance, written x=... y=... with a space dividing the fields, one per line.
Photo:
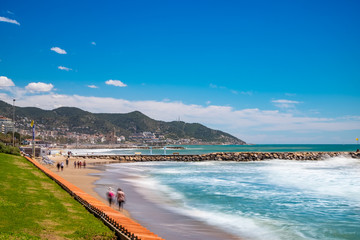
x=32 y=206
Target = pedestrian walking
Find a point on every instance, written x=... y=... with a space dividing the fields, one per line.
x=110 y=195
x=120 y=197
x=58 y=166
x=62 y=166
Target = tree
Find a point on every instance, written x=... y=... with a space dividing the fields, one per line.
x=5 y=138
x=17 y=136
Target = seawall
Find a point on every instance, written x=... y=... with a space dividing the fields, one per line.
x=225 y=156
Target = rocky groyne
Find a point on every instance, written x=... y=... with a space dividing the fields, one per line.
x=226 y=156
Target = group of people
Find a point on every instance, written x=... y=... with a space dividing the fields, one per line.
x=119 y=197
x=79 y=164
x=60 y=165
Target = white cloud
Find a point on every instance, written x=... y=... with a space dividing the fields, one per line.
x=283 y=103
x=39 y=87
x=92 y=86
x=58 y=50
x=5 y=97
x=116 y=83
x=252 y=125
x=223 y=117
x=6 y=82
x=93 y=43
x=64 y=68
x=8 y=20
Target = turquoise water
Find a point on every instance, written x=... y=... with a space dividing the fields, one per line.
x=274 y=199
x=202 y=149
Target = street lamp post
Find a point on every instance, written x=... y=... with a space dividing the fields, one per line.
x=33 y=138
x=13 y=131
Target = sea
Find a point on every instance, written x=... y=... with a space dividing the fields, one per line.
x=271 y=199
x=203 y=149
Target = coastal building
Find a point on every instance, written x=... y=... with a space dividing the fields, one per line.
x=149 y=136
x=38 y=142
x=111 y=138
x=39 y=152
x=6 y=125
x=145 y=137
x=136 y=137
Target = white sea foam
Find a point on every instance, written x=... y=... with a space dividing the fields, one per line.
x=275 y=199
x=122 y=151
x=156 y=192
x=336 y=177
x=251 y=227
x=167 y=197
x=205 y=163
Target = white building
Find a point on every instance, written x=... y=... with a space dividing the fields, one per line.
x=6 y=125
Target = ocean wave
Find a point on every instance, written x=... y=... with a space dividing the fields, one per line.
x=277 y=199
x=334 y=176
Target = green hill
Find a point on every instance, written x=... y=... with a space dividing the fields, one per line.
x=76 y=120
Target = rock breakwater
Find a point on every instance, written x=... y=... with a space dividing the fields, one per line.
x=226 y=156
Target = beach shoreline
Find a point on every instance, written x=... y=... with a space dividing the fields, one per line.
x=84 y=178
x=94 y=179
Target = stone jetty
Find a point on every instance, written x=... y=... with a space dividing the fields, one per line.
x=225 y=156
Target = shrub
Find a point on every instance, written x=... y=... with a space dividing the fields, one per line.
x=9 y=149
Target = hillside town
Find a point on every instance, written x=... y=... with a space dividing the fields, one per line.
x=63 y=136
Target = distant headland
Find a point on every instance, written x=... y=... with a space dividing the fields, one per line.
x=69 y=125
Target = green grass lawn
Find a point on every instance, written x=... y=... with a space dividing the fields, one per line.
x=34 y=207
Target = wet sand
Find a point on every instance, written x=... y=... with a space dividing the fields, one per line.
x=163 y=222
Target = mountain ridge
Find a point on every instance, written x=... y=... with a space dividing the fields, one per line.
x=80 y=121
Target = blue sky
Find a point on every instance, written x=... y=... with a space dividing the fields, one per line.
x=264 y=71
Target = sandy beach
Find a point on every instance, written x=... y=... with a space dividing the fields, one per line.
x=83 y=178
x=164 y=223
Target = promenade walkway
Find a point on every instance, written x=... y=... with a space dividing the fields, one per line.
x=124 y=227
